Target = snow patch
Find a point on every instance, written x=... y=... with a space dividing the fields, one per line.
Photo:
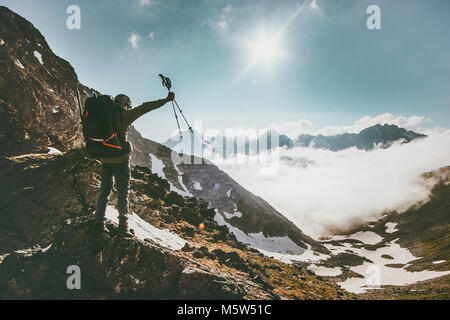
x=31 y=251
x=197 y=186
x=229 y=193
x=308 y=256
x=39 y=57
x=324 y=271
x=19 y=64
x=2 y=257
x=236 y=214
x=439 y=262
x=367 y=237
x=157 y=167
x=185 y=191
x=282 y=245
x=390 y=227
x=387 y=275
x=52 y=150
x=144 y=230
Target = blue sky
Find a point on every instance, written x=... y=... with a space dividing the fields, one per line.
x=332 y=70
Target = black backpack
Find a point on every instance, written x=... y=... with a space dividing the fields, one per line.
x=101 y=122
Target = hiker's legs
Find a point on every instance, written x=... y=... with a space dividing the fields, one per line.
x=105 y=191
x=122 y=178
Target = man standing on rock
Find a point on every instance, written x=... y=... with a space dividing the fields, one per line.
x=119 y=167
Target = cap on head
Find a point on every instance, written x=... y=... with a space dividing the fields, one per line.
x=123 y=101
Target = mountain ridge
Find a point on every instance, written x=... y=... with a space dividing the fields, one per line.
x=376 y=136
x=367 y=139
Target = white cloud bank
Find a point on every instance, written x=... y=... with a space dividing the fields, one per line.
x=409 y=123
x=320 y=189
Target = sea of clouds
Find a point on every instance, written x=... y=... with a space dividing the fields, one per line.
x=323 y=191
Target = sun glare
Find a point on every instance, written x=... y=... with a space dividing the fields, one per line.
x=265 y=50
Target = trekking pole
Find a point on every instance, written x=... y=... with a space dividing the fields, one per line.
x=182 y=114
x=178 y=122
x=168 y=84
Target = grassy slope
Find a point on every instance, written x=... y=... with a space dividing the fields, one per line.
x=425 y=230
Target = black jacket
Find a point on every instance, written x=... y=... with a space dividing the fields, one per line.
x=127 y=117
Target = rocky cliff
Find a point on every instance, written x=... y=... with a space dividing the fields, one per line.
x=38 y=106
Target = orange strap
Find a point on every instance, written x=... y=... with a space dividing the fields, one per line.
x=102 y=140
x=114 y=135
x=107 y=144
x=111 y=145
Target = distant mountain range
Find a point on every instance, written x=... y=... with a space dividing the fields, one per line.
x=376 y=136
x=379 y=135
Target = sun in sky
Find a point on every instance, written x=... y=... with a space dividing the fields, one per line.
x=265 y=50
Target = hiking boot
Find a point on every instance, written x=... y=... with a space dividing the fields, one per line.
x=123 y=231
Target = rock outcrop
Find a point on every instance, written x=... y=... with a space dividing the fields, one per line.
x=112 y=267
x=38 y=106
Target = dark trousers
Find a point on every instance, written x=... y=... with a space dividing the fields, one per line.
x=121 y=174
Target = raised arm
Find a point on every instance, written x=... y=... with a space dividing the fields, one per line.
x=132 y=115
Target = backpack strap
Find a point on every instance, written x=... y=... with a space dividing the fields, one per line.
x=104 y=142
